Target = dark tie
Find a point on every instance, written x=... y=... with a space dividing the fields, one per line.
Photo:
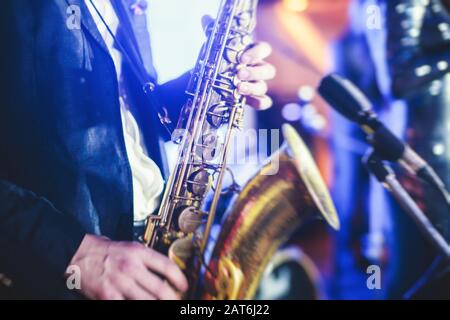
x=133 y=33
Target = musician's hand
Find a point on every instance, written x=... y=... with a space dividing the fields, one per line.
x=124 y=270
x=254 y=75
x=254 y=72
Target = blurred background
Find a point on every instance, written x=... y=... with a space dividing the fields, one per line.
x=311 y=38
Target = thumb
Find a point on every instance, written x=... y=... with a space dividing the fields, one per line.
x=207 y=22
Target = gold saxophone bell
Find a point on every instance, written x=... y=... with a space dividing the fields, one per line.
x=263 y=217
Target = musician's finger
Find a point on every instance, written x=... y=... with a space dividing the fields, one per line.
x=154 y=285
x=206 y=21
x=130 y=289
x=260 y=103
x=257 y=88
x=107 y=292
x=264 y=71
x=161 y=264
x=256 y=53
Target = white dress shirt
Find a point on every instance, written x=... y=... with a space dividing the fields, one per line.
x=148 y=182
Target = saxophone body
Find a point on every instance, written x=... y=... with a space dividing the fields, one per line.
x=263 y=216
x=269 y=208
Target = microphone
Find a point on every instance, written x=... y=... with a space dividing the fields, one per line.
x=349 y=101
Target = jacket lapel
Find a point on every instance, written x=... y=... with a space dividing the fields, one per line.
x=134 y=33
x=88 y=23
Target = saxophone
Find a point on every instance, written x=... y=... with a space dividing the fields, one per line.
x=268 y=209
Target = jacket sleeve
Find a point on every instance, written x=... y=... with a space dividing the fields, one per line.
x=37 y=242
x=416 y=55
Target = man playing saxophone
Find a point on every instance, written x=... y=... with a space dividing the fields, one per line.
x=81 y=162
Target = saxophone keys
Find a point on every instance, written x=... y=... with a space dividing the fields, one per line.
x=239 y=118
x=199 y=182
x=235 y=48
x=218 y=114
x=181 y=251
x=232 y=54
x=244 y=19
x=190 y=219
x=180 y=131
x=208 y=148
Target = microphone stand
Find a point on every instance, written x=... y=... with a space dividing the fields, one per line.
x=390 y=148
x=386 y=176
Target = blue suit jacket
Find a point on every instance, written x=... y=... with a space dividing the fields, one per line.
x=64 y=170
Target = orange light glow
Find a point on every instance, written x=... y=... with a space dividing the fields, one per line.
x=296 y=5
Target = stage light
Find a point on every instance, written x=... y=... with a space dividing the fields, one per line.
x=312 y=119
x=292 y=112
x=438 y=149
x=306 y=93
x=296 y=5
